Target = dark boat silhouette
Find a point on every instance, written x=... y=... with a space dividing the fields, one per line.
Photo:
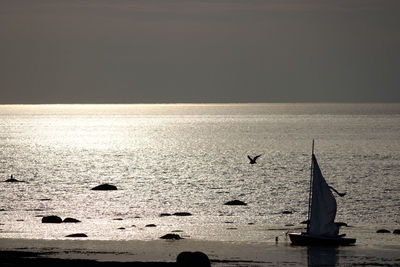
x=322 y=207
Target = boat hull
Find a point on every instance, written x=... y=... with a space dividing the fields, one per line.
x=303 y=239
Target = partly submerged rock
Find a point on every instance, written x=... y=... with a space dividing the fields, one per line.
x=198 y=259
x=396 y=231
x=171 y=236
x=13 y=180
x=105 y=187
x=151 y=225
x=340 y=224
x=71 y=220
x=235 y=203
x=287 y=212
x=77 y=235
x=382 y=231
x=165 y=214
x=51 y=219
x=182 y=214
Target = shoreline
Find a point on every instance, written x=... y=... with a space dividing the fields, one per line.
x=16 y=252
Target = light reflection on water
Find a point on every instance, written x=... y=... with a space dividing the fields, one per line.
x=172 y=158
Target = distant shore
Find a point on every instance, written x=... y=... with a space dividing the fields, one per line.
x=29 y=252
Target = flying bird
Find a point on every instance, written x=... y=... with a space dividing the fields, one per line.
x=253 y=160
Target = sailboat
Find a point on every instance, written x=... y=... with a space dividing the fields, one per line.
x=321 y=227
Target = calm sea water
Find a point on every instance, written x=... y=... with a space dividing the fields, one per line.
x=193 y=158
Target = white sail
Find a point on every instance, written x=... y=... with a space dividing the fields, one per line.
x=323 y=205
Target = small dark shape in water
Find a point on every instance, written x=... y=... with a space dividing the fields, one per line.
x=250 y=223
x=121 y=228
x=151 y=225
x=118 y=219
x=133 y=225
x=165 y=214
x=20 y=220
x=45 y=199
x=231 y=228
x=228 y=222
x=340 y=224
x=396 y=231
x=177 y=231
x=3 y=210
x=289 y=224
x=382 y=231
x=51 y=219
x=171 y=236
x=13 y=180
x=304 y=222
x=287 y=212
x=137 y=217
x=105 y=187
x=236 y=203
x=77 y=235
x=197 y=259
x=71 y=220
x=182 y=214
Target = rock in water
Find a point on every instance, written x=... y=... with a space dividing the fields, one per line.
x=77 y=235
x=105 y=187
x=396 y=231
x=235 y=203
x=51 y=219
x=171 y=236
x=196 y=259
x=382 y=231
x=71 y=220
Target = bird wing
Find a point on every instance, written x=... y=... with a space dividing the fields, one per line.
x=256 y=157
x=249 y=158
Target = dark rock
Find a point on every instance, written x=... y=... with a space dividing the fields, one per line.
x=340 y=224
x=13 y=180
x=287 y=212
x=105 y=187
x=195 y=259
x=235 y=203
x=396 y=231
x=71 y=220
x=118 y=219
x=165 y=214
x=171 y=236
x=182 y=214
x=51 y=219
x=121 y=228
x=151 y=225
x=77 y=235
x=382 y=231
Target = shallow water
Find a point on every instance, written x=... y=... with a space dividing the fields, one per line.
x=193 y=158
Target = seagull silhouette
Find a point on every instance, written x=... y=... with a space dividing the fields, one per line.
x=253 y=160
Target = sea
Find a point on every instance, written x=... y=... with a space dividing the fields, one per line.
x=193 y=158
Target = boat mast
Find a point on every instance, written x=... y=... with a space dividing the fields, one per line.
x=310 y=193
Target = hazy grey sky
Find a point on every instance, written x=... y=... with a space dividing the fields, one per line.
x=199 y=51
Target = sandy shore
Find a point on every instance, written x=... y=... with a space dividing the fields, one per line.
x=16 y=252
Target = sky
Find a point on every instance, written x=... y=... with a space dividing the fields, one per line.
x=175 y=51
